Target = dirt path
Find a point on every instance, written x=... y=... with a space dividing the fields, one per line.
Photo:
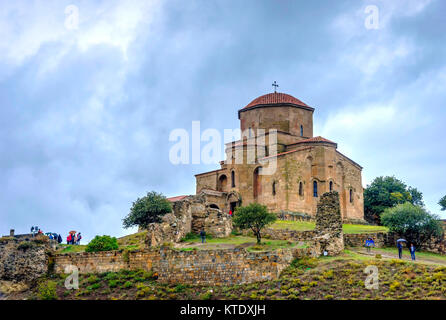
x=406 y=256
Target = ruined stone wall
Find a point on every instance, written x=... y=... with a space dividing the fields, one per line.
x=328 y=232
x=204 y=267
x=22 y=260
x=191 y=214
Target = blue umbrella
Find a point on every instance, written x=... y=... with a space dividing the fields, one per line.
x=401 y=240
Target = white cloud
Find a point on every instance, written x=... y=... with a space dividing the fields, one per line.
x=26 y=26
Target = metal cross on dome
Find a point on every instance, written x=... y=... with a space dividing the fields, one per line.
x=275 y=85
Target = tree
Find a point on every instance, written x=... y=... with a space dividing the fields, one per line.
x=255 y=217
x=146 y=210
x=442 y=203
x=102 y=243
x=387 y=192
x=412 y=222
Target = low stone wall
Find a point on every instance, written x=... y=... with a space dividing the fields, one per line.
x=381 y=239
x=354 y=240
x=204 y=267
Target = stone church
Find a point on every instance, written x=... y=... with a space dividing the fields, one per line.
x=306 y=166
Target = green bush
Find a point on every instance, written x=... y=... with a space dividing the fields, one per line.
x=102 y=243
x=47 y=290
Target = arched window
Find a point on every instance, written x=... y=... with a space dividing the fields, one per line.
x=301 y=130
x=274 y=188
x=351 y=195
x=257 y=183
x=301 y=189
x=222 y=182
x=331 y=186
x=232 y=179
x=315 y=189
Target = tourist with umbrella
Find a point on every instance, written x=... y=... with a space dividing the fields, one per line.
x=400 y=247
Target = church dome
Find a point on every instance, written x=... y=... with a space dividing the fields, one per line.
x=276 y=98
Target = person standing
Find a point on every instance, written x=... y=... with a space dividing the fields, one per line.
x=412 y=251
x=203 y=236
x=59 y=238
x=78 y=238
x=69 y=238
x=400 y=249
x=32 y=231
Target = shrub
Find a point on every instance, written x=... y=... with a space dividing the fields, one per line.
x=25 y=245
x=146 y=210
x=414 y=223
x=127 y=285
x=304 y=263
x=47 y=290
x=102 y=243
x=92 y=279
x=255 y=217
x=206 y=296
x=113 y=283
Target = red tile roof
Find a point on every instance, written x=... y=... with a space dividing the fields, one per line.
x=314 y=139
x=177 y=198
x=276 y=98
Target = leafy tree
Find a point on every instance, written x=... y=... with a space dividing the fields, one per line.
x=412 y=222
x=102 y=243
x=255 y=217
x=442 y=203
x=387 y=192
x=146 y=210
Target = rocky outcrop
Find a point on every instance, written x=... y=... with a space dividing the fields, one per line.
x=22 y=260
x=328 y=232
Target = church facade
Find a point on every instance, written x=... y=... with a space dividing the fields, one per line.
x=305 y=166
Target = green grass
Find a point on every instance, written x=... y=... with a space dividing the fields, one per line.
x=266 y=245
x=132 y=241
x=310 y=225
x=72 y=248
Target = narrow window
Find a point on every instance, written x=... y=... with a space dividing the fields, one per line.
x=301 y=189
x=301 y=130
x=351 y=195
x=331 y=186
x=315 y=189
x=232 y=179
x=274 y=188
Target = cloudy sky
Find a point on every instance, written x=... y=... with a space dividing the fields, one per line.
x=87 y=104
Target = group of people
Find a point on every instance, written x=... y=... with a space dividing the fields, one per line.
x=369 y=243
x=400 y=250
x=74 y=239
x=35 y=230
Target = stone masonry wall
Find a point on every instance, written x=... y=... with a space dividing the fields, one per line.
x=23 y=260
x=204 y=267
x=328 y=232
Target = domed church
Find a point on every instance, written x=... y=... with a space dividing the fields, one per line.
x=306 y=166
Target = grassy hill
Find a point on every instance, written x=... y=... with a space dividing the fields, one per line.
x=325 y=278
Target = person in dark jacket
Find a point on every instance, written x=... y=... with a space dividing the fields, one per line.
x=400 y=249
x=412 y=251
x=203 y=236
x=59 y=239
